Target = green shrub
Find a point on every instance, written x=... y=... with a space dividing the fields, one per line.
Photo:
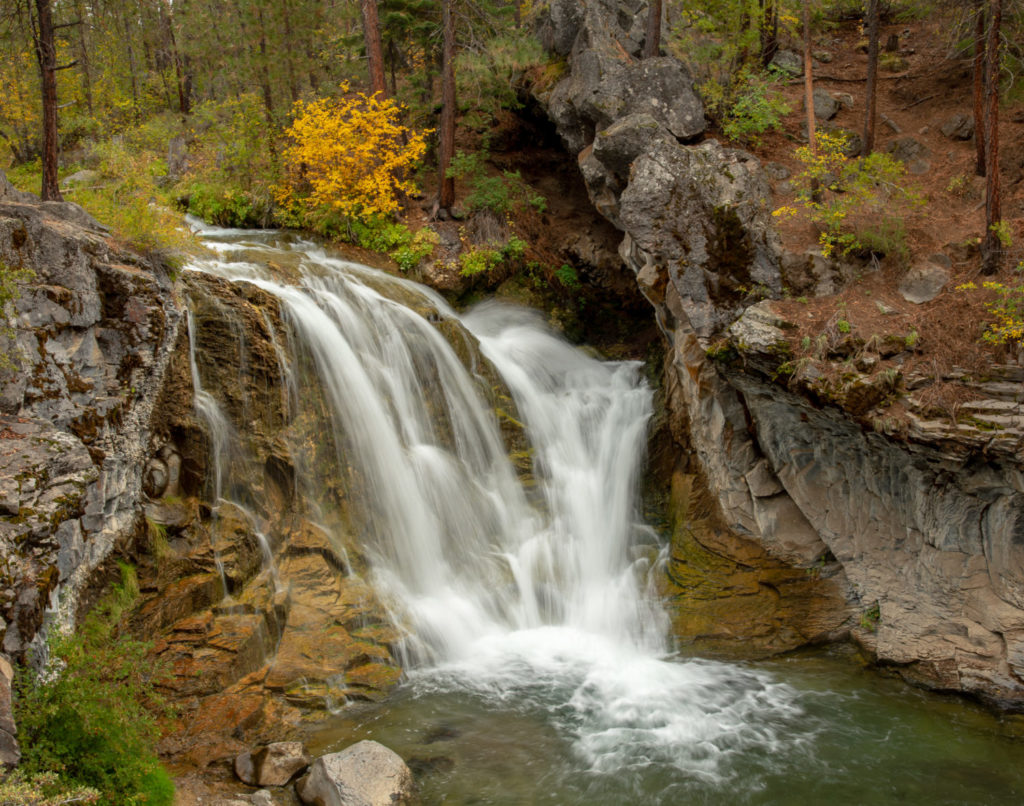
x=90 y=717
x=747 y=107
x=845 y=197
x=500 y=193
x=393 y=238
x=230 y=206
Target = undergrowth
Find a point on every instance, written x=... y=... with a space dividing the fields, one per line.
x=88 y=723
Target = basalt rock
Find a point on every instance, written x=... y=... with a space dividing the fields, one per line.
x=93 y=331
x=798 y=515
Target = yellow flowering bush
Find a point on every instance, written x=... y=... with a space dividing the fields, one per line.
x=1007 y=308
x=350 y=157
x=853 y=193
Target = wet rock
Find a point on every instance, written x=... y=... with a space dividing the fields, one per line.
x=924 y=283
x=365 y=774
x=273 y=765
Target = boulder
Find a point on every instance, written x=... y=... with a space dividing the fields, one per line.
x=958 y=127
x=273 y=765
x=923 y=283
x=364 y=774
x=825 y=106
x=788 y=61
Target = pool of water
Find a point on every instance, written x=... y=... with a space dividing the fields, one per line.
x=805 y=729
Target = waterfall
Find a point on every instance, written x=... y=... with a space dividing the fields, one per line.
x=535 y=593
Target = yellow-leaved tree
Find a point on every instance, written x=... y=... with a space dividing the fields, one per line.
x=348 y=158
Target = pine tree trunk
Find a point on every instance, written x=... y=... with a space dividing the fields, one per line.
x=83 y=56
x=46 y=55
x=991 y=246
x=769 y=31
x=809 y=91
x=374 y=46
x=446 y=136
x=652 y=37
x=871 y=90
x=979 y=87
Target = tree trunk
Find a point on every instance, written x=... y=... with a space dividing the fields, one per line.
x=991 y=246
x=652 y=37
x=979 y=87
x=83 y=55
x=871 y=90
x=769 y=31
x=374 y=46
x=46 y=55
x=809 y=91
x=446 y=135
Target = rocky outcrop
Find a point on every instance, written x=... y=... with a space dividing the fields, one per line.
x=798 y=514
x=927 y=520
x=697 y=234
x=92 y=333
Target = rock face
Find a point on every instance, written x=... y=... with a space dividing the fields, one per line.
x=794 y=520
x=697 y=234
x=92 y=338
x=365 y=774
x=697 y=214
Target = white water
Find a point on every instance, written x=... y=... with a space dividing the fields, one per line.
x=516 y=602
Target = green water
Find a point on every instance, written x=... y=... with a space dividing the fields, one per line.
x=839 y=734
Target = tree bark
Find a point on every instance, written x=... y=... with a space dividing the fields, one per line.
x=652 y=37
x=446 y=135
x=46 y=55
x=979 y=87
x=991 y=246
x=769 y=31
x=871 y=90
x=374 y=46
x=809 y=91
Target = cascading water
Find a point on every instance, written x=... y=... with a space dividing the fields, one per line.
x=529 y=602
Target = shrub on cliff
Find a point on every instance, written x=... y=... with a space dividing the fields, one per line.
x=90 y=718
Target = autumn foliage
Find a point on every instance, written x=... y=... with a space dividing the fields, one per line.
x=350 y=156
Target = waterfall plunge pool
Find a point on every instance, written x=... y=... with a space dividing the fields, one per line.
x=538 y=670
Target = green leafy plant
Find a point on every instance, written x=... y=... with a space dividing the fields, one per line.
x=870 y=617
x=1007 y=309
x=844 y=196
x=90 y=717
x=747 y=107
x=500 y=193
x=393 y=238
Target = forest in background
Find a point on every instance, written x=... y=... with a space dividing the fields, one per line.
x=336 y=117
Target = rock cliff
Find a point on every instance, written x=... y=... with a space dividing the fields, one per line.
x=91 y=335
x=793 y=520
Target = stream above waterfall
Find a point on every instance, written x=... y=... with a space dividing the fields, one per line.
x=537 y=664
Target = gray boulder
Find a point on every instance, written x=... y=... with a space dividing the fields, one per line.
x=825 y=106
x=365 y=774
x=958 y=127
x=700 y=215
x=788 y=61
x=923 y=283
x=273 y=765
